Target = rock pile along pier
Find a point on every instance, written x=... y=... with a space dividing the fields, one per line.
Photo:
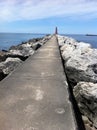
x=80 y=63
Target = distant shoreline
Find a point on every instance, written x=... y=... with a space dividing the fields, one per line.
x=91 y=35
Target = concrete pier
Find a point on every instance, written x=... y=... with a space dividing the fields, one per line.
x=35 y=96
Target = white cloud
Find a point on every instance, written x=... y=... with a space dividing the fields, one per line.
x=12 y=10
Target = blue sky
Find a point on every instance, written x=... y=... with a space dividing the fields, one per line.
x=42 y=16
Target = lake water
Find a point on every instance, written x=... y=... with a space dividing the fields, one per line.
x=9 y=39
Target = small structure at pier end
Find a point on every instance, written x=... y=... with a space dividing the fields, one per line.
x=56 y=30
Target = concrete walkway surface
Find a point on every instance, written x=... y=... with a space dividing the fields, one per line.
x=35 y=96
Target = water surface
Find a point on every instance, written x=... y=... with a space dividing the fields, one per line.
x=9 y=39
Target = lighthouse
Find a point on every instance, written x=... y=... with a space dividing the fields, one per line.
x=56 y=30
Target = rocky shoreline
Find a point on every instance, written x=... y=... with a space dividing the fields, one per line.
x=10 y=59
x=80 y=62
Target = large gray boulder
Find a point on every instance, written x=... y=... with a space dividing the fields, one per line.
x=23 y=50
x=9 y=65
x=86 y=96
x=36 y=45
x=3 y=56
x=80 y=61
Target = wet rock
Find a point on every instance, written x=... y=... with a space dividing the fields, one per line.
x=86 y=95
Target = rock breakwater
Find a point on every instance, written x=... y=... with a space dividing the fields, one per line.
x=80 y=62
x=13 y=57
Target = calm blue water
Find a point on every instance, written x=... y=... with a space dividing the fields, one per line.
x=9 y=39
x=88 y=39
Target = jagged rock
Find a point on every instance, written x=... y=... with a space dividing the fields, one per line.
x=86 y=95
x=2 y=75
x=88 y=124
x=23 y=50
x=61 y=40
x=86 y=120
x=35 y=40
x=45 y=39
x=80 y=61
x=2 y=56
x=36 y=45
x=9 y=65
x=66 y=40
x=40 y=41
x=75 y=49
x=88 y=127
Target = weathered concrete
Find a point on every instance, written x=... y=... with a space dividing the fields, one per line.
x=35 y=96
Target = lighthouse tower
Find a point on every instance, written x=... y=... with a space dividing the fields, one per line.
x=56 y=30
